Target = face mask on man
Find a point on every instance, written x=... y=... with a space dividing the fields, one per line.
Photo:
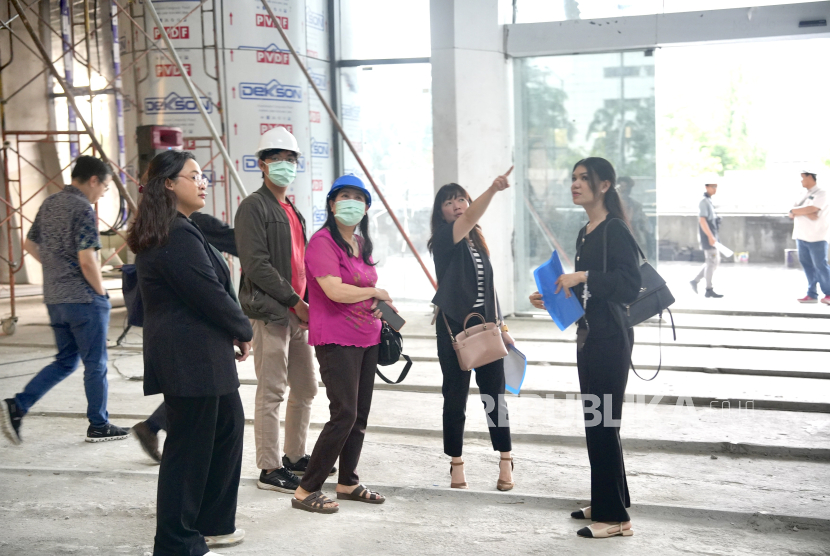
x=349 y=212
x=282 y=172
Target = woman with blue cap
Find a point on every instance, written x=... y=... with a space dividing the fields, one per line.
x=344 y=328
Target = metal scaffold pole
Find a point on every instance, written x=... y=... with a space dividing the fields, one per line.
x=340 y=129
x=70 y=97
x=189 y=82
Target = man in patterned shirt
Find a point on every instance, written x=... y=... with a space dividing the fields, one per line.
x=64 y=238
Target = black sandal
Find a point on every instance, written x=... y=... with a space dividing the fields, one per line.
x=314 y=502
x=357 y=496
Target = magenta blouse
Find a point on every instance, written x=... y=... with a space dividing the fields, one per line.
x=329 y=322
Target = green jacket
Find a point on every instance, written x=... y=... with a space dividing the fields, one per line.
x=263 y=241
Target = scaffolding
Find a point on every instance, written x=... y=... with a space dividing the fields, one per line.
x=78 y=25
x=84 y=51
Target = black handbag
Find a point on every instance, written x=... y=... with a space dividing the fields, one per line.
x=390 y=352
x=654 y=298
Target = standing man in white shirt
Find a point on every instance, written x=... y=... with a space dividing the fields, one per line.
x=811 y=223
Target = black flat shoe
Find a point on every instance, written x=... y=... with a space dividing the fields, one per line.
x=584 y=513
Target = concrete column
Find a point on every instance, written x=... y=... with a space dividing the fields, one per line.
x=472 y=121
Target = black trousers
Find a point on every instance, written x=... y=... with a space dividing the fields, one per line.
x=603 y=374
x=158 y=420
x=456 y=389
x=349 y=375
x=199 y=474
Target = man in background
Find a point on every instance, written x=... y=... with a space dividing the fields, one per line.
x=708 y=224
x=811 y=222
x=64 y=238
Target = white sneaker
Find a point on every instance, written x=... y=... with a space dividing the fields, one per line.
x=225 y=540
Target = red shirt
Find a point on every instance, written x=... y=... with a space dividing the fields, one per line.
x=298 y=280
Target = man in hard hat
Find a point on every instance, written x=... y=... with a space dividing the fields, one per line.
x=811 y=224
x=271 y=241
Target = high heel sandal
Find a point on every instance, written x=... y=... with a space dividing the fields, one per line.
x=506 y=485
x=456 y=485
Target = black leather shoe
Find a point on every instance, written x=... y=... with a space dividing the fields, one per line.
x=711 y=293
x=301 y=465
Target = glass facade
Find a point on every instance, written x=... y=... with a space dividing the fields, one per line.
x=372 y=29
x=387 y=113
x=749 y=116
x=569 y=108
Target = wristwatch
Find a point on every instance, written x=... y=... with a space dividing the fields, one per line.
x=586 y=276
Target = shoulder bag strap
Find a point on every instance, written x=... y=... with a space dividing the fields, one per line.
x=403 y=373
x=448 y=325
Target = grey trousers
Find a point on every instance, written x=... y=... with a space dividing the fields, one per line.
x=708 y=269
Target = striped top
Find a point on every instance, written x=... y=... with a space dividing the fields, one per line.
x=479 y=276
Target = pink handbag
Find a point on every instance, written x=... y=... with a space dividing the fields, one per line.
x=479 y=345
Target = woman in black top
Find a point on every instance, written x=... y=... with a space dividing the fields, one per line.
x=604 y=346
x=192 y=322
x=465 y=285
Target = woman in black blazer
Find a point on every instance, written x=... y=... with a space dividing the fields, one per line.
x=465 y=285
x=603 y=344
x=192 y=322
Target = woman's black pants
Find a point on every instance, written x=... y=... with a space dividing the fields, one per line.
x=603 y=374
x=349 y=375
x=456 y=389
x=199 y=474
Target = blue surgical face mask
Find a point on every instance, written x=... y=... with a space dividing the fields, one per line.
x=349 y=212
x=282 y=172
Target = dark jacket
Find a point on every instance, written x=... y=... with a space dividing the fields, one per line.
x=263 y=241
x=457 y=279
x=190 y=318
x=619 y=283
x=216 y=232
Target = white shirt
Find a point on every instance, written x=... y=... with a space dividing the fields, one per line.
x=813 y=230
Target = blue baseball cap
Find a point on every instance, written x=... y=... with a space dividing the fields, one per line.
x=350 y=180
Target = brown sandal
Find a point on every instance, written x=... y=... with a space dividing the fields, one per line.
x=357 y=495
x=456 y=485
x=314 y=502
x=505 y=485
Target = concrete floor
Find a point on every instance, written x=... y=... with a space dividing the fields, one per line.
x=702 y=480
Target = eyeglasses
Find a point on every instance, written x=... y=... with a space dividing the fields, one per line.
x=198 y=180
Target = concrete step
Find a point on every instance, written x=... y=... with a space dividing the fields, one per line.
x=671 y=428
x=722 y=483
x=686 y=359
x=90 y=513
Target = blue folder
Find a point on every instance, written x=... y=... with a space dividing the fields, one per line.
x=564 y=311
x=515 y=367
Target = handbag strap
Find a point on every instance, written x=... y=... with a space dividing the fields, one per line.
x=403 y=373
x=448 y=326
x=660 y=343
x=497 y=305
x=605 y=243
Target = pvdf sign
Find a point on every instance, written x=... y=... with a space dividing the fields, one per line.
x=171 y=70
x=175 y=104
x=180 y=32
x=273 y=90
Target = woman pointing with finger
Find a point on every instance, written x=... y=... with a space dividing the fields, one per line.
x=465 y=285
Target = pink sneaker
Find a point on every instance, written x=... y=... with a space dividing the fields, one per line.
x=826 y=299
x=808 y=299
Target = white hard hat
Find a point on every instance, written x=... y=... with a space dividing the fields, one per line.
x=278 y=138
